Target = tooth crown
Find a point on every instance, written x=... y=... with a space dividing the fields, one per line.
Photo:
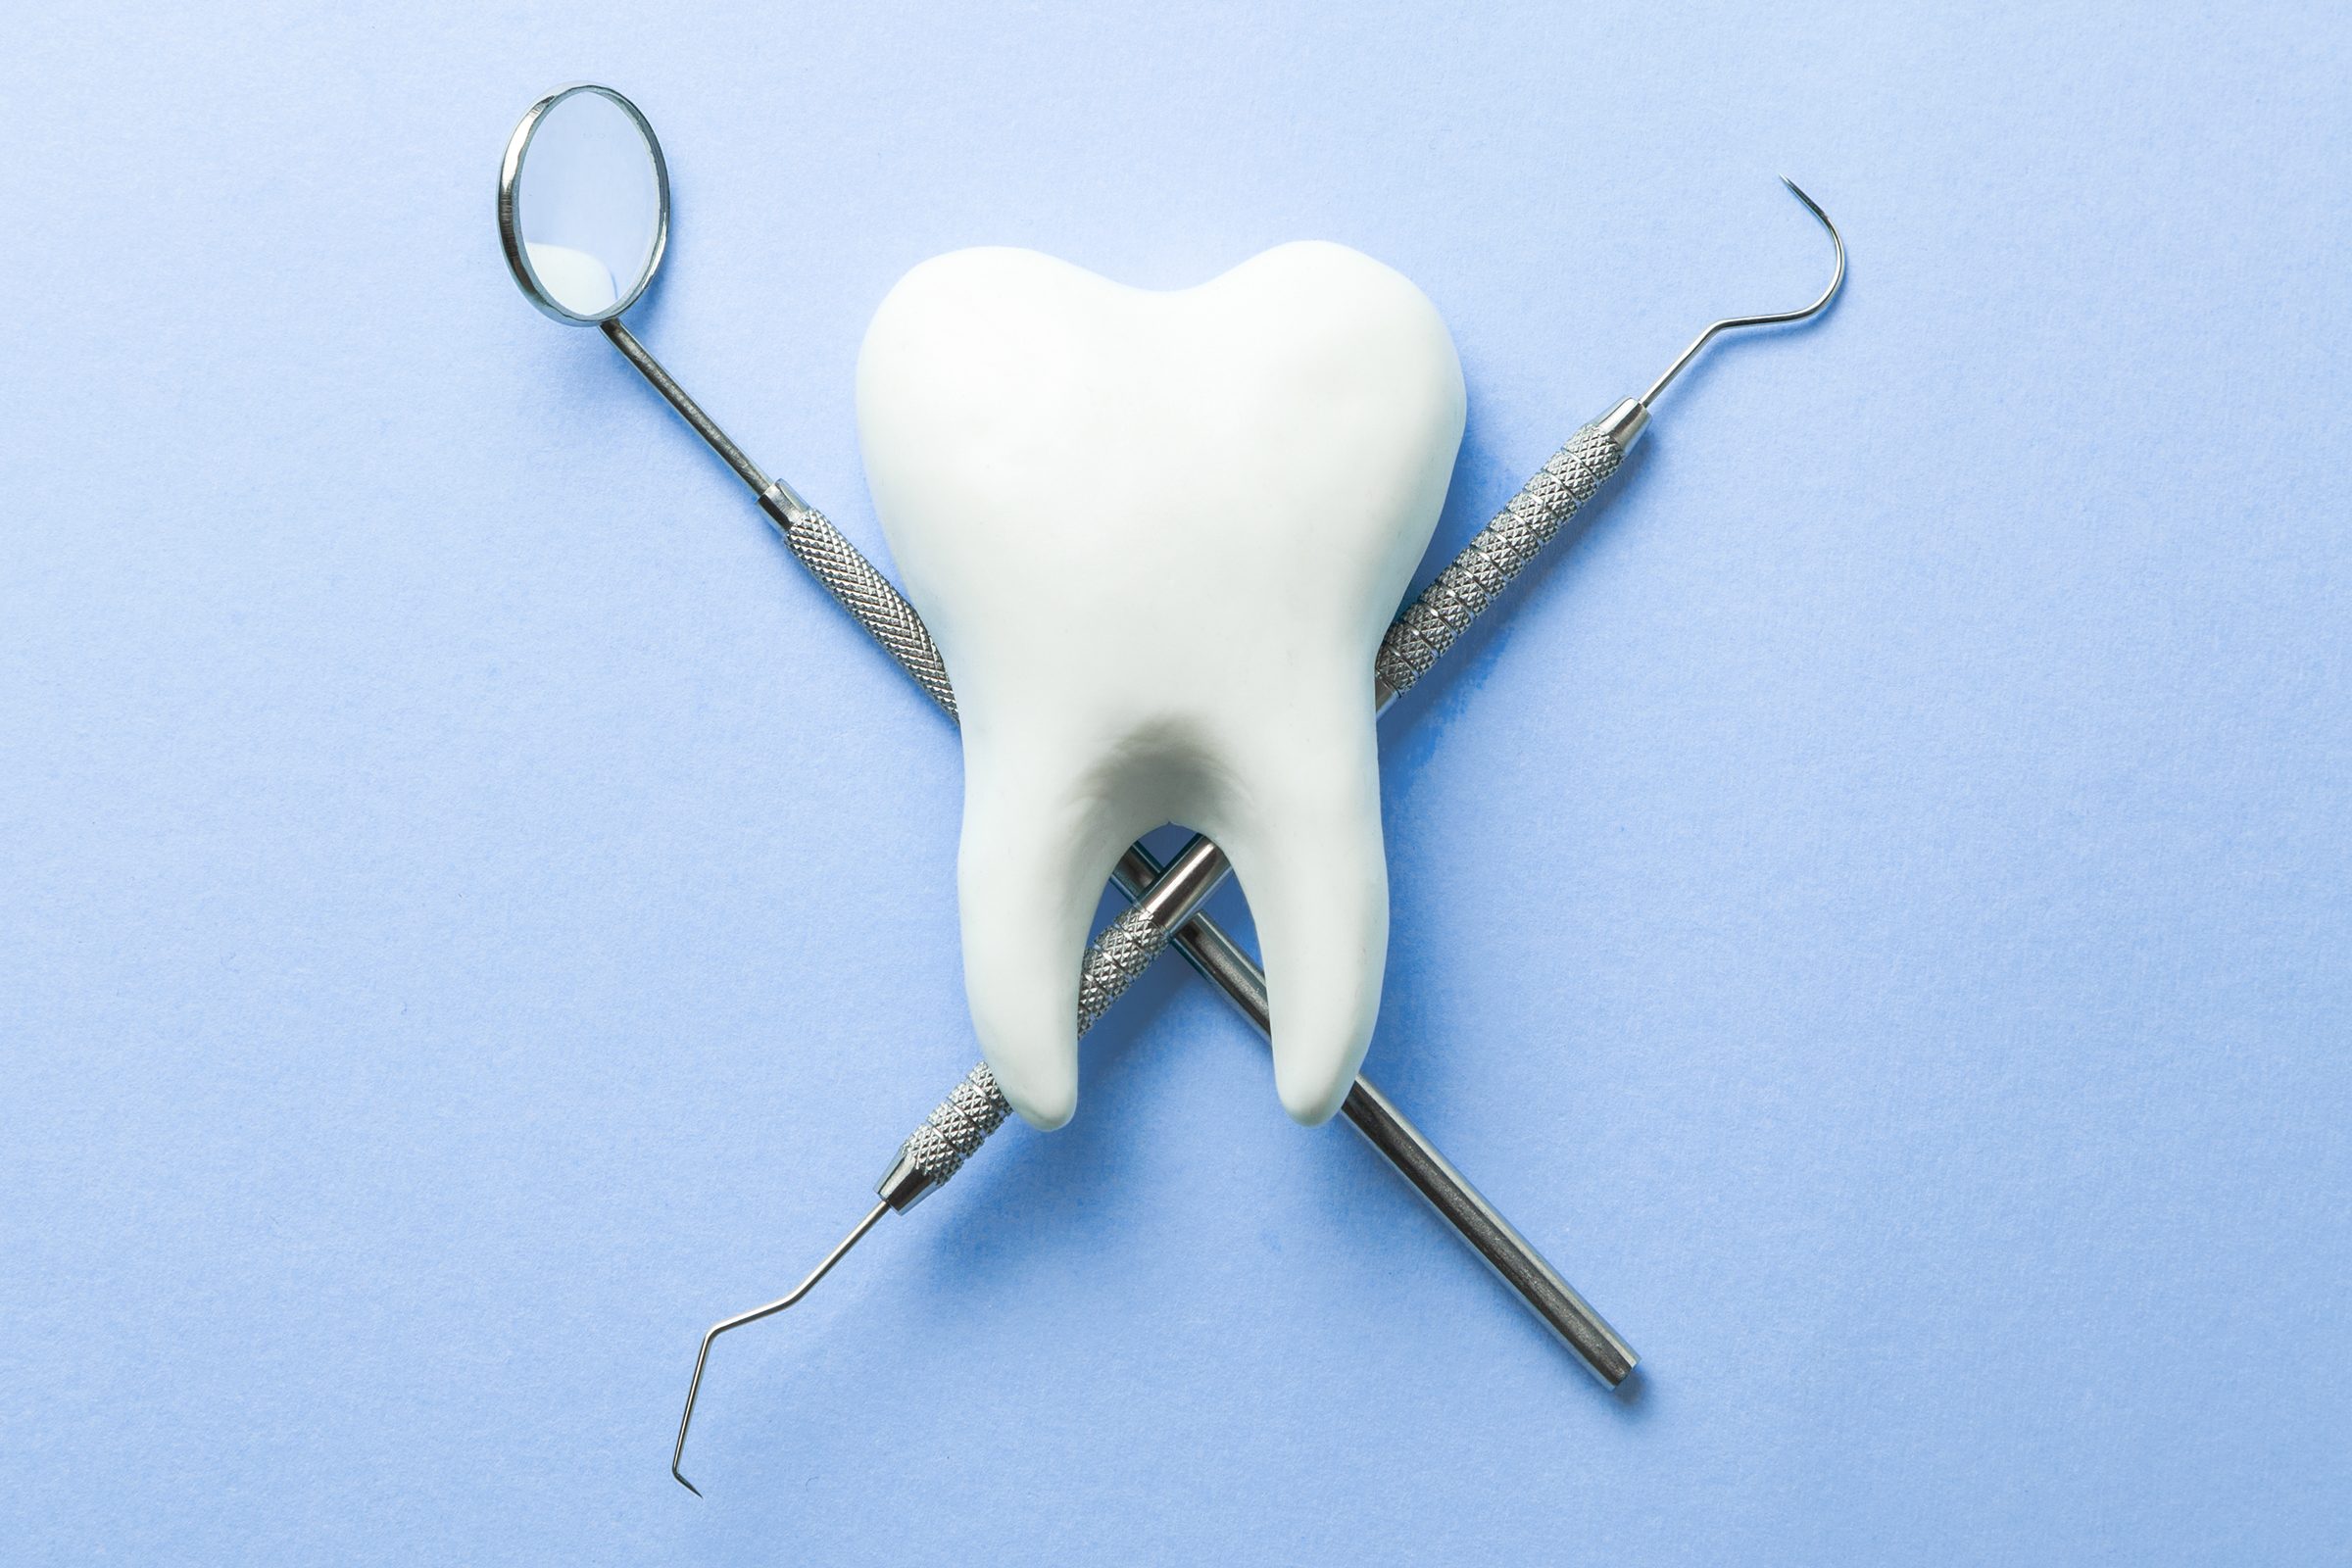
x=1158 y=537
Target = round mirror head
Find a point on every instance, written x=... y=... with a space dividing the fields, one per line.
x=583 y=204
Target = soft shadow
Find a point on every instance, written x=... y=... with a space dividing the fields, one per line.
x=1632 y=1398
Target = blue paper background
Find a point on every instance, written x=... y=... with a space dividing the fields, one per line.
x=472 y=912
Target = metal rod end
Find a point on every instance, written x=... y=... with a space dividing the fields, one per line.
x=1623 y=424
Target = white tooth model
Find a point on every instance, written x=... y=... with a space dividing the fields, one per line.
x=1158 y=537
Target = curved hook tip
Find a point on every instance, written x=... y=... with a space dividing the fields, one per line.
x=1734 y=323
x=1837 y=240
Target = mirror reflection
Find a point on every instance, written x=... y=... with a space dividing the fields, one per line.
x=588 y=204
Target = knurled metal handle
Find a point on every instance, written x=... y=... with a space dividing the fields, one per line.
x=1123 y=950
x=950 y=1135
x=1116 y=959
x=863 y=590
x=1502 y=551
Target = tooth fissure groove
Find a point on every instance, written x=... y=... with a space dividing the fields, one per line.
x=1460 y=593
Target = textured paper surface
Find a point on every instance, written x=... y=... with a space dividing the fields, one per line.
x=471 y=914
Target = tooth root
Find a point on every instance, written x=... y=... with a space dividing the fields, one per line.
x=1305 y=844
x=1031 y=871
x=1157 y=538
x=1298 y=813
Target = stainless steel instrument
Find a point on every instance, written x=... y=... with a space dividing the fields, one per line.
x=1166 y=899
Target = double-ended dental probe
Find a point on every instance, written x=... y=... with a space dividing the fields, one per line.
x=1166 y=899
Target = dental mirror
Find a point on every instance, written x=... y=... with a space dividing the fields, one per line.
x=583 y=213
x=583 y=204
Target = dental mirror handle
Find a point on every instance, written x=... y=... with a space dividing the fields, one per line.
x=861 y=589
x=1498 y=1242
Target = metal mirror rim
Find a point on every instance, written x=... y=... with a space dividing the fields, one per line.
x=510 y=234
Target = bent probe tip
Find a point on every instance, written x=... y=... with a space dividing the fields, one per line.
x=703 y=1357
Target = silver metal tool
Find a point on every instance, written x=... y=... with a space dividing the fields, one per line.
x=937 y=1149
x=1167 y=899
